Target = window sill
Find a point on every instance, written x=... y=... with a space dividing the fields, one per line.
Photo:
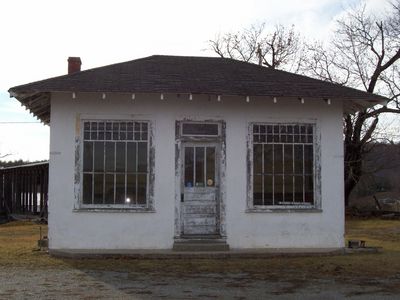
x=114 y=210
x=283 y=210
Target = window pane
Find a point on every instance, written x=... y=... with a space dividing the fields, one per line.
x=268 y=159
x=210 y=166
x=268 y=195
x=98 y=188
x=308 y=159
x=131 y=157
x=99 y=156
x=257 y=190
x=288 y=188
x=87 y=156
x=298 y=188
x=298 y=159
x=189 y=169
x=144 y=127
x=87 y=189
x=131 y=188
x=309 y=189
x=199 y=153
x=120 y=157
x=256 y=128
x=142 y=157
x=109 y=189
x=141 y=192
x=288 y=155
x=119 y=189
x=257 y=159
x=278 y=159
x=110 y=157
x=278 y=189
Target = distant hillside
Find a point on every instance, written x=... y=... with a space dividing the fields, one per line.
x=382 y=167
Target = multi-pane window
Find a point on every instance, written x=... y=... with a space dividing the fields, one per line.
x=283 y=164
x=115 y=163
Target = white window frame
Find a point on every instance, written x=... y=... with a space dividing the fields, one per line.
x=300 y=207
x=128 y=207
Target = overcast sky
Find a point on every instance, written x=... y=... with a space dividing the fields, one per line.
x=38 y=36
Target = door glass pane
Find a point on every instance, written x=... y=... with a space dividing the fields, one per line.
x=189 y=170
x=119 y=189
x=109 y=189
x=210 y=166
x=199 y=157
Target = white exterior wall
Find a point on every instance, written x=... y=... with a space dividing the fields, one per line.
x=69 y=229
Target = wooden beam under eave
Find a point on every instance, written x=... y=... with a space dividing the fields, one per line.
x=39 y=103
x=44 y=116
x=41 y=109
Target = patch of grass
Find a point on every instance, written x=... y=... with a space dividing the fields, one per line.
x=376 y=232
x=18 y=248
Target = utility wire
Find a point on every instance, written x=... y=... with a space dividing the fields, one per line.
x=20 y=122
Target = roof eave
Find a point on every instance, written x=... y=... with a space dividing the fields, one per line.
x=38 y=103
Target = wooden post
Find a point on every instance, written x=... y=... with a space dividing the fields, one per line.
x=35 y=185
x=17 y=191
x=2 y=200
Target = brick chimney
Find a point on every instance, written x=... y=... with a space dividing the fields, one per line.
x=74 y=64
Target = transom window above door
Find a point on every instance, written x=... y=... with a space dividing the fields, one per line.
x=200 y=129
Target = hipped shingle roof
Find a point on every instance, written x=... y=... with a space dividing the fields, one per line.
x=181 y=74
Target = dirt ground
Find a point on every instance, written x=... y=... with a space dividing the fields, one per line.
x=26 y=273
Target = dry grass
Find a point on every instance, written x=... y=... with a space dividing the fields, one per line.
x=18 y=248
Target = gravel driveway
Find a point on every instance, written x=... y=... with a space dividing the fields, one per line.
x=19 y=283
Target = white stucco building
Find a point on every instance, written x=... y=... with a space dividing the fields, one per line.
x=159 y=151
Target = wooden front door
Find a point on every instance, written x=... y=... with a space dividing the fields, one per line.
x=199 y=201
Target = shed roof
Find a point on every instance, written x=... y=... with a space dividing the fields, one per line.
x=186 y=74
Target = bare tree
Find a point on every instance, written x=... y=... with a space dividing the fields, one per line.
x=364 y=53
x=280 y=48
x=4 y=155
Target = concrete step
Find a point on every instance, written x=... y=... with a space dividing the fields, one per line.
x=200 y=245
